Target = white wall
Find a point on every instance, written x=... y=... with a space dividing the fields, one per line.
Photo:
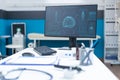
x=40 y=4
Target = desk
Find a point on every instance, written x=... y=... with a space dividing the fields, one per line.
x=96 y=71
x=37 y=36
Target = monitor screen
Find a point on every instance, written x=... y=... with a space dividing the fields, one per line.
x=73 y=21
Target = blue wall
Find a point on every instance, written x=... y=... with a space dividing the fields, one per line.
x=37 y=25
x=99 y=50
x=2 y=32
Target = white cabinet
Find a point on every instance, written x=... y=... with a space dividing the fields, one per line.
x=110 y=31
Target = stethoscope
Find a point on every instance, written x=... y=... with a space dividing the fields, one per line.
x=3 y=77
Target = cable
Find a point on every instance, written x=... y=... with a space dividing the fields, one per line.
x=2 y=77
x=68 y=67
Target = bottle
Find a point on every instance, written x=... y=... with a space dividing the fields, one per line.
x=82 y=54
x=77 y=52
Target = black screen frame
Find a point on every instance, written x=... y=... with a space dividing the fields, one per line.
x=72 y=38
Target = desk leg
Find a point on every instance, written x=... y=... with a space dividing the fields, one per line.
x=35 y=43
x=91 y=43
x=7 y=51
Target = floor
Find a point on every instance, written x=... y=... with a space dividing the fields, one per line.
x=115 y=69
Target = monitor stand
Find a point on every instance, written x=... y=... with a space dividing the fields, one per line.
x=72 y=42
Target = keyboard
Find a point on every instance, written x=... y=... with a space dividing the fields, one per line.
x=44 y=50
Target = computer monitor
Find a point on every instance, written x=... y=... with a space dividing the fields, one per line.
x=72 y=21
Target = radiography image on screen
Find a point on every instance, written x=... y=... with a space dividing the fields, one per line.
x=71 y=21
x=74 y=21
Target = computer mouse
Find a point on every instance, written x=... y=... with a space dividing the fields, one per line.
x=27 y=54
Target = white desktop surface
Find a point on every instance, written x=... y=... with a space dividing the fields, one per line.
x=14 y=46
x=37 y=36
x=96 y=71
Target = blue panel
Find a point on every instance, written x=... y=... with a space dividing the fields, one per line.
x=2 y=26
x=31 y=25
x=38 y=27
x=2 y=32
x=99 y=50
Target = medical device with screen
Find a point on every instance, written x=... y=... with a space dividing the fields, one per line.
x=72 y=21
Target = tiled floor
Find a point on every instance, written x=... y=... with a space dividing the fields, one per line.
x=115 y=69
